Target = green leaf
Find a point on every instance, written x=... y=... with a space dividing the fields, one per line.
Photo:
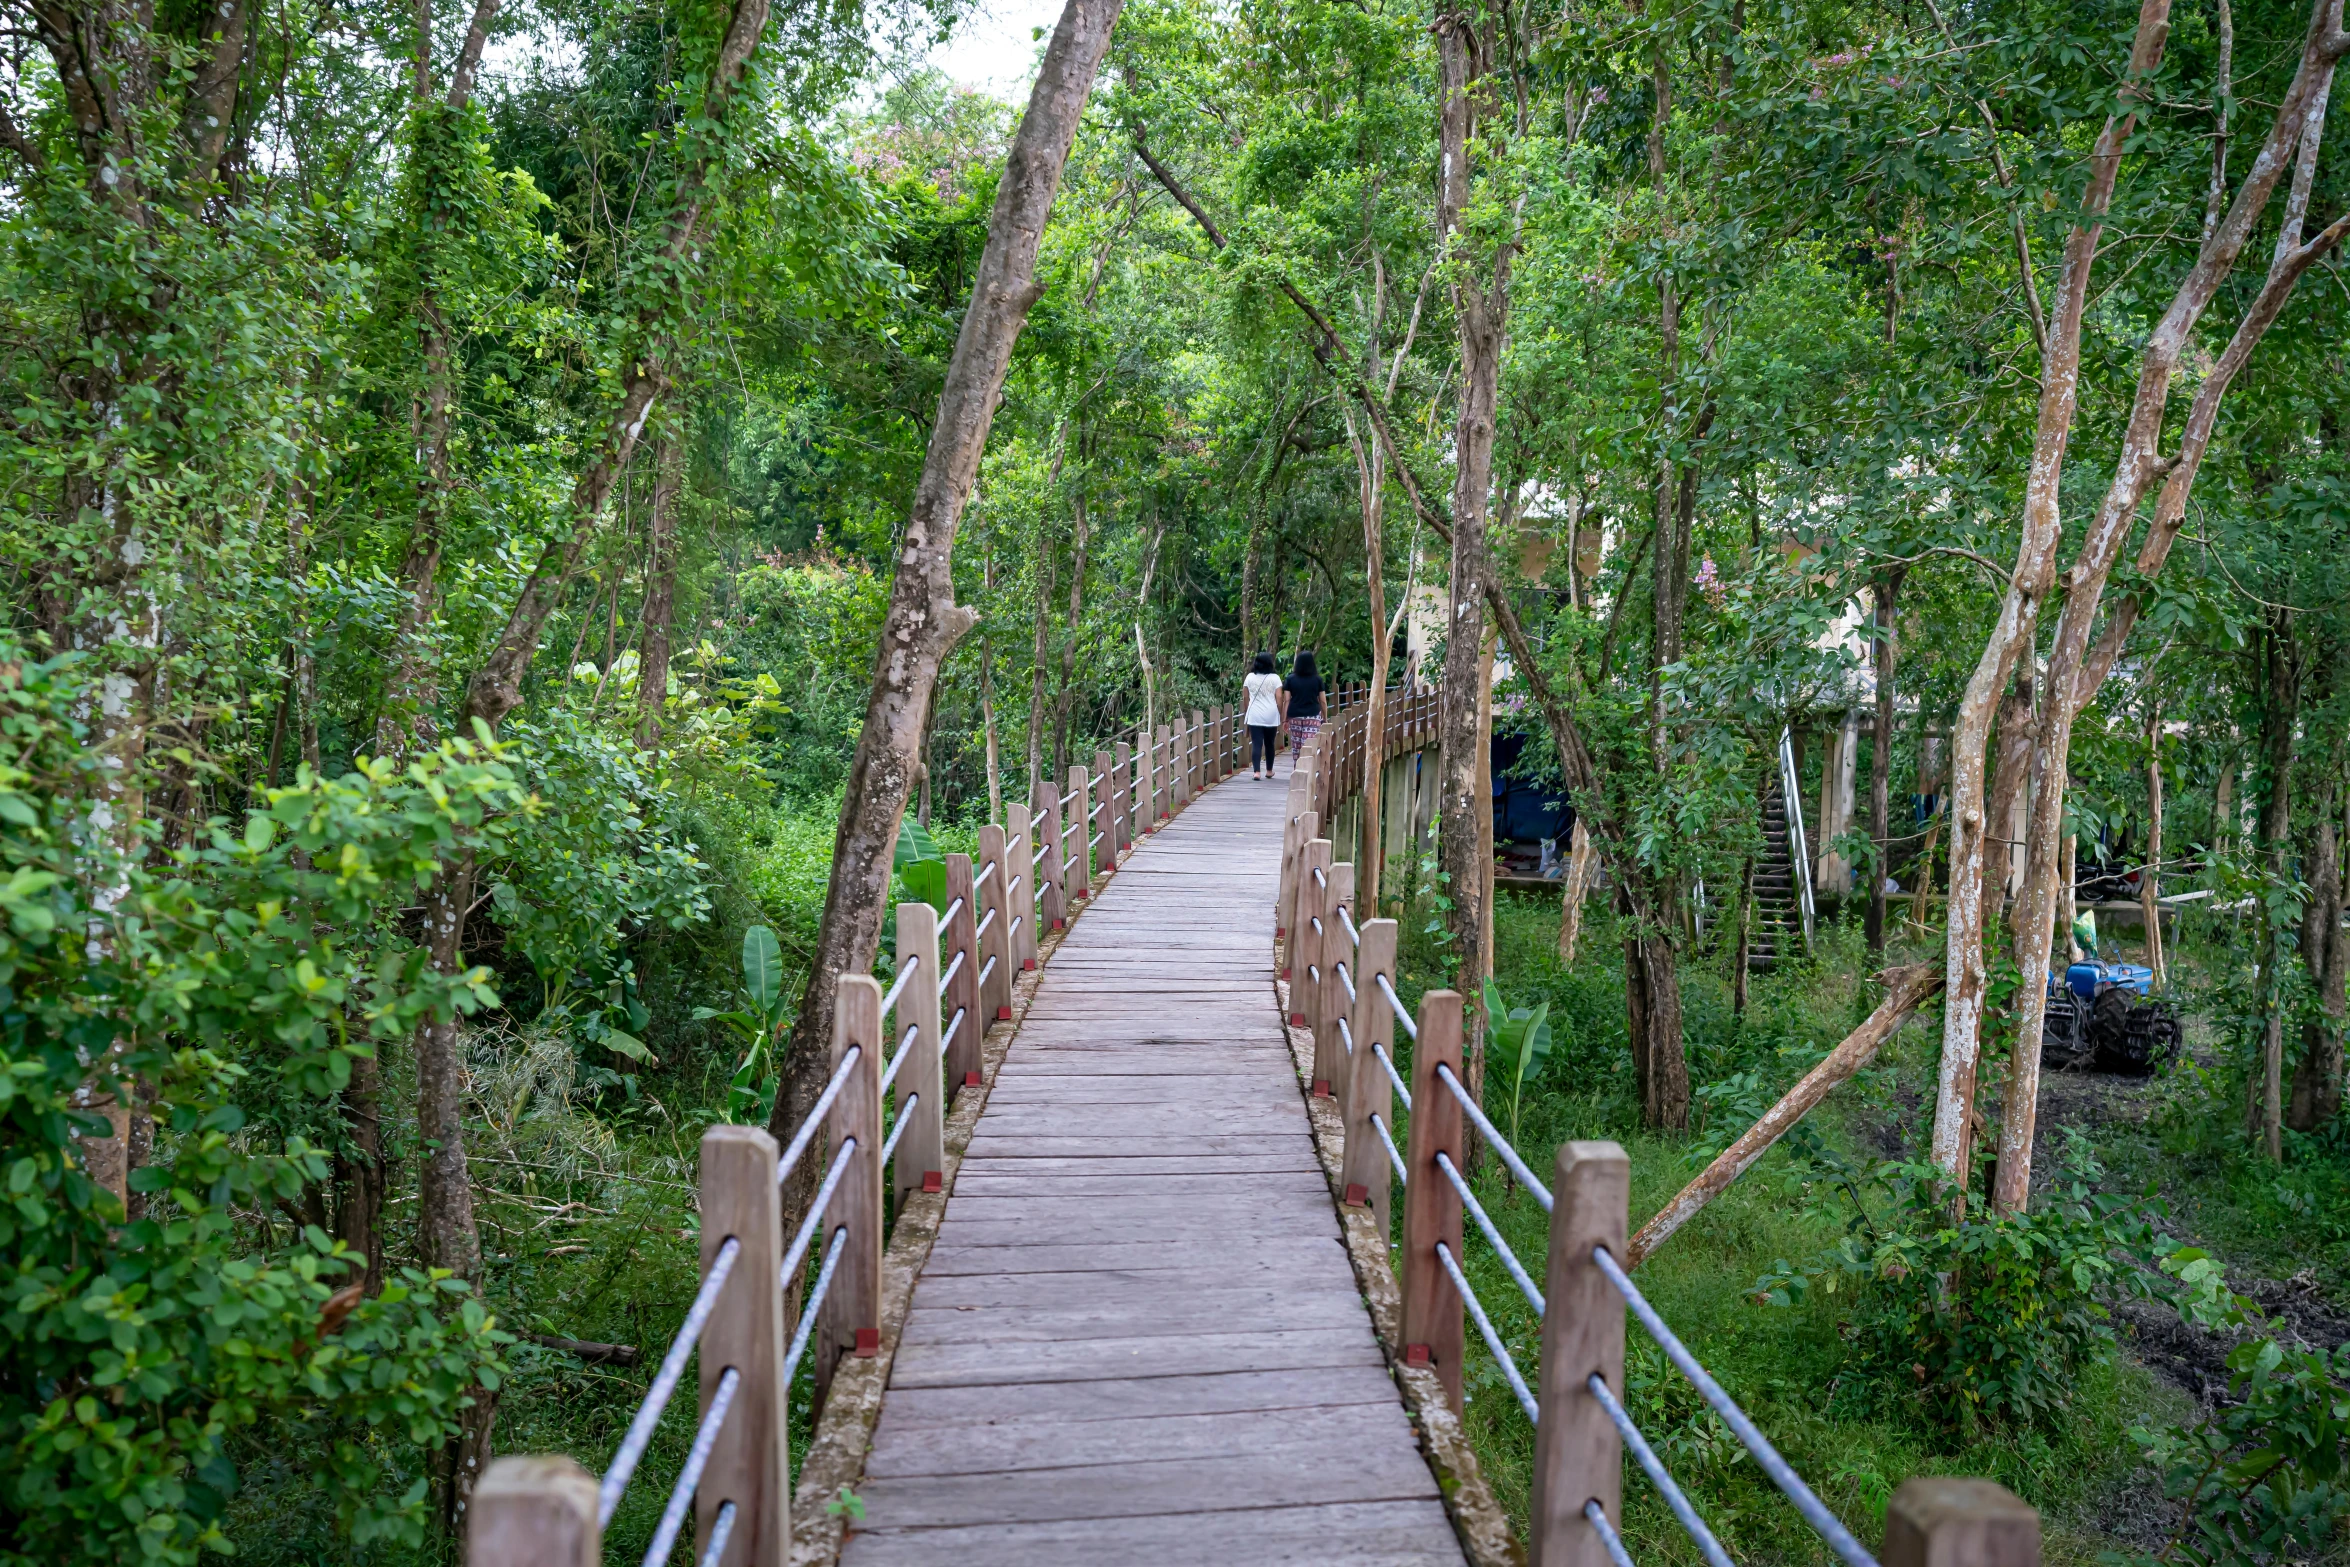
x=628 y=1045
x=926 y=882
x=762 y=966
x=914 y=845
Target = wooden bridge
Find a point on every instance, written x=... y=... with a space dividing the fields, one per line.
x=1128 y=1291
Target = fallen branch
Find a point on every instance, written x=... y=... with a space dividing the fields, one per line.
x=1906 y=989
x=586 y=1349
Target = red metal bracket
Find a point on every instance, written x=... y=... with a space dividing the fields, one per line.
x=1417 y=1355
x=1028 y=965
x=970 y=1079
x=868 y=1343
x=1321 y=1088
x=933 y=1181
x=1003 y=1014
x=1358 y=1195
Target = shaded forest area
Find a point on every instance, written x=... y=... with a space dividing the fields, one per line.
x=500 y=501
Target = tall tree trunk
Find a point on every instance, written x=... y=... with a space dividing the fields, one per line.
x=1037 y=668
x=2317 y=1081
x=2074 y=669
x=1465 y=62
x=1069 y=633
x=1582 y=858
x=652 y=677
x=923 y=621
x=2280 y=716
x=1965 y=973
x=1369 y=471
x=1885 y=653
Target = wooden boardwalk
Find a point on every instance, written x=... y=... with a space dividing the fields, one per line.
x=1137 y=1339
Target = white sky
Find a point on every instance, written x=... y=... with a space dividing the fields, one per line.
x=994 y=48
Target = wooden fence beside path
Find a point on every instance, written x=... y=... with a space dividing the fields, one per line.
x=1139 y=1328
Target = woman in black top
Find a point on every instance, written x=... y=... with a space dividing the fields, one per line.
x=1302 y=699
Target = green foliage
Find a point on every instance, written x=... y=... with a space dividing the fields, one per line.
x=1981 y=1317
x=1517 y=1044
x=766 y=1011
x=921 y=868
x=243 y=975
x=2265 y=1476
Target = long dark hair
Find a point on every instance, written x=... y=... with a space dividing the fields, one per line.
x=1304 y=667
x=1263 y=665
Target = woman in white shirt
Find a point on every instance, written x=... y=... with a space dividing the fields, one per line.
x=1265 y=700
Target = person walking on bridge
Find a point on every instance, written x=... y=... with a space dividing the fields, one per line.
x=1262 y=693
x=1301 y=699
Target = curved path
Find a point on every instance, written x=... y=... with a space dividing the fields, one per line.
x=1137 y=1338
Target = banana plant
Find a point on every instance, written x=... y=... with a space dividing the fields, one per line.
x=758 y=1022
x=1517 y=1043
x=920 y=865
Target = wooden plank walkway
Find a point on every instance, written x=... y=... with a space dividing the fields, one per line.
x=1138 y=1331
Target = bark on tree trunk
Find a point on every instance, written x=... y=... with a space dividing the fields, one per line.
x=1580 y=862
x=1885 y=653
x=1068 y=691
x=2279 y=719
x=652 y=678
x=1369 y=471
x=923 y=622
x=1965 y=973
x=1045 y=556
x=2317 y=1081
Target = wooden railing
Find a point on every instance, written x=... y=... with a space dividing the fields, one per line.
x=1343 y=988
x=917 y=1043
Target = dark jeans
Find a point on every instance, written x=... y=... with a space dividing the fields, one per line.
x=1260 y=746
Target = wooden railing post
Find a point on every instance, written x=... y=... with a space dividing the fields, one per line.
x=995 y=996
x=1079 y=853
x=849 y=1322
x=1308 y=825
x=1052 y=863
x=1020 y=857
x=1366 y=1176
x=1433 y=1335
x=1223 y=743
x=1578 y=1457
x=1291 y=819
x=1122 y=796
x=1331 y=1004
x=922 y=1151
x=1306 y=946
x=1942 y=1521
x=535 y=1512
x=1102 y=811
x=962 y=992
x=1156 y=801
x=1198 y=758
x=741 y=1198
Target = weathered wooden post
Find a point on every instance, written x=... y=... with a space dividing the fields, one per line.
x=1433 y=1335
x=1578 y=1457
x=1052 y=865
x=1308 y=827
x=849 y=1322
x=961 y=995
x=1292 y=817
x=1331 y=1004
x=1122 y=796
x=1199 y=752
x=922 y=1151
x=1102 y=813
x=1366 y=1176
x=1943 y=1521
x=741 y=1198
x=1020 y=856
x=536 y=1512
x=995 y=945
x=1308 y=945
x=1079 y=852
x=1151 y=803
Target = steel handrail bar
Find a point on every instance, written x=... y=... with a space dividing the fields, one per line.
x=898 y=986
x=1402 y=1013
x=1096 y=838
x=1766 y=1457
x=1393 y=1076
x=986 y=871
x=631 y=1452
x=1658 y=1475
x=1344 y=978
x=986 y=969
x=1346 y=923
x=815 y=1121
x=797 y=1253
x=799 y=1338
x=889 y=1073
x=1346 y=1036
x=1509 y=1258
x=905 y=1118
x=980 y=929
x=1596 y=1516
x=1320 y=879
x=947 y=1035
x=953 y=968
x=697 y=1458
x=1071 y=795
x=948 y=918
x=1501 y=1144
x=1379 y=1125
x=721 y=1530
x=1499 y=1350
